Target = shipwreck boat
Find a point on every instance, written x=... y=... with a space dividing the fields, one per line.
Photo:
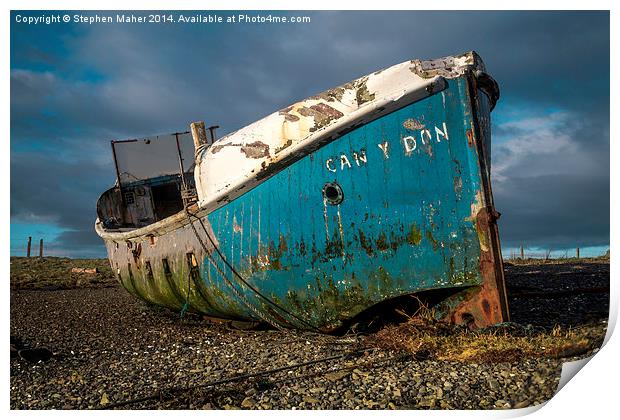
x=369 y=192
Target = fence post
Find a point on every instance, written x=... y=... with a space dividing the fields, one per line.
x=522 y=255
x=41 y=248
x=577 y=252
x=28 y=249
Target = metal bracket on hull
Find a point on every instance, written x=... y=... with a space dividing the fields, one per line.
x=483 y=305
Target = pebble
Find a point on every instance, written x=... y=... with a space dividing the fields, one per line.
x=110 y=347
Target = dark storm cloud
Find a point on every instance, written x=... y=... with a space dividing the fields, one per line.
x=555 y=211
x=47 y=190
x=77 y=244
x=78 y=239
x=183 y=73
x=87 y=85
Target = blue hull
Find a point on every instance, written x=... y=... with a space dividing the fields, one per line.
x=397 y=206
x=410 y=185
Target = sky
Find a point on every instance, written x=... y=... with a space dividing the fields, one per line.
x=76 y=86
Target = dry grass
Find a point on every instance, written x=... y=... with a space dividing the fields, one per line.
x=503 y=343
x=51 y=273
x=424 y=337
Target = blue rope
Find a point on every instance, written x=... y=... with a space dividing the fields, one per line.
x=184 y=309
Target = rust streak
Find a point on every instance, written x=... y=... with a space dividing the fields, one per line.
x=470 y=137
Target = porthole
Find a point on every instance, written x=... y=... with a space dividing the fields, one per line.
x=332 y=193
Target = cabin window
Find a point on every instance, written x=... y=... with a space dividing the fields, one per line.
x=166 y=200
x=129 y=197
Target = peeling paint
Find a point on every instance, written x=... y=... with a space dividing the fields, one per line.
x=414 y=237
x=322 y=113
x=255 y=150
x=362 y=94
x=287 y=115
x=331 y=95
x=284 y=146
x=413 y=124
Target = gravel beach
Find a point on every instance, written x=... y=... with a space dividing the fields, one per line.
x=110 y=348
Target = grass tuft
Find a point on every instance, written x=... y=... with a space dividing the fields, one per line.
x=502 y=343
